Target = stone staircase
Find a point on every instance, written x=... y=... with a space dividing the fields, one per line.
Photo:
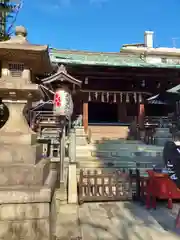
x=162 y=135
x=81 y=137
x=118 y=154
x=108 y=132
x=107 y=151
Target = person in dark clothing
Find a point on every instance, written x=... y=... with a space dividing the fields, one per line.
x=171 y=156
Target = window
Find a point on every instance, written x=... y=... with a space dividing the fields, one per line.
x=16 y=69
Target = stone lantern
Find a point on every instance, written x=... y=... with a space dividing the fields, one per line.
x=26 y=183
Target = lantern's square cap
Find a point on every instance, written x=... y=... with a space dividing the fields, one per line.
x=18 y=49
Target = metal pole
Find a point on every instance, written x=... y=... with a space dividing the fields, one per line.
x=72 y=146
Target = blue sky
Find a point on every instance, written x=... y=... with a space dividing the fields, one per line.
x=100 y=25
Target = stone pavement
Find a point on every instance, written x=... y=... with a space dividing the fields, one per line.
x=113 y=221
x=67 y=224
x=166 y=217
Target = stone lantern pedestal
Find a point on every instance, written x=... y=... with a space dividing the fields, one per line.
x=26 y=181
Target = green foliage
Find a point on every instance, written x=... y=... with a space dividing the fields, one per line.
x=6 y=12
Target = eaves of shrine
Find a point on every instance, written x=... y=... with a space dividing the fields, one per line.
x=109 y=59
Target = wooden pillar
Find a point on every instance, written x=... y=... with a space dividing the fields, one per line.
x=85 y=116
x=141 y=115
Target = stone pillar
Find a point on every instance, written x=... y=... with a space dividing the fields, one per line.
x=62 y=155
x=85 y=116
x=72 y=175
x=72 y=146
x=26 y=181
x=72 y=183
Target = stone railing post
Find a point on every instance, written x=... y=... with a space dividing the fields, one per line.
x=62 y=155
x=72 y=179
x=72 y=146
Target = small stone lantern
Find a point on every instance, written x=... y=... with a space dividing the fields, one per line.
x=26 y=182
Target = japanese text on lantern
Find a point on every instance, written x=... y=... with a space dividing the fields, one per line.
x=57 y=100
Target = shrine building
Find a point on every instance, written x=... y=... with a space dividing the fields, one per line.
x=112 y=88
x=115 y=86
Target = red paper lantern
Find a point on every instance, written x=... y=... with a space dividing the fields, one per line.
x=57 y=100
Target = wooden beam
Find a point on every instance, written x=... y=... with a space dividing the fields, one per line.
x=95 y=75
x=85 y=68
x=100 y=91
x=121 y=70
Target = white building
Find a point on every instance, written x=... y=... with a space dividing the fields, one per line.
x=151 y=54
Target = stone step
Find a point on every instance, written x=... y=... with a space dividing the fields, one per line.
x=107 y=128
x=104 y=169
x=148 y=146
x=128 y=157
x=111 y=154
x=123 y=159
x=61 y=194
x=78 y=155
x=163 y=136
x=120 y=150
x=161 y=141
x=24 y=174
x=162 y=132
x=119 y=146
x=115 y=165
x=81 y=141
x=162 y=129
x=95 y=160
x=81 y=137
x=147 y=153
x=143 y=171
x=120 y=154
x=121 y=141
x=79 y=130
x=148 y=159
x=146 y=162
x=105 y=165
x=135 y=156
x=99 y=132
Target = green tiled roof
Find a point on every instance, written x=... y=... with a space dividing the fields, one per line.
x=103 y=59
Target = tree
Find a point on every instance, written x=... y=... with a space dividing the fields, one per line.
x=8 y=13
